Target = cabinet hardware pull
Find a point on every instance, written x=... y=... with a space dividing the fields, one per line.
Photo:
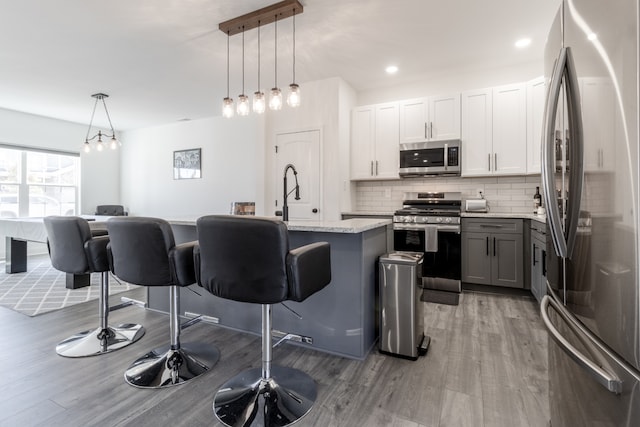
x=489 y=161
x=426 y=130
x=487 y=245
x=376 y=168
x=495 y=162
x=371 y=167
x=494 y=246
x=534 y=254
x=431 y=130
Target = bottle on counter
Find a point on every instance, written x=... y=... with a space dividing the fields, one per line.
x=537 y=200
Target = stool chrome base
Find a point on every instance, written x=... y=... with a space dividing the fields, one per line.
x=164 y=367
x=249 y=400
x=95 y=342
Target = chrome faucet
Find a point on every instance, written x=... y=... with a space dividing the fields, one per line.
x=285 y=207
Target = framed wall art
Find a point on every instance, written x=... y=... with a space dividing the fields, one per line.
x=186 y=164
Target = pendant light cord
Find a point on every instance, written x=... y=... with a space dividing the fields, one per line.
x=113 y=132
x=243 y=59
x=95 y=104
x=276 y=52
x=294 y=45
x=227 y=63
x=259 y=56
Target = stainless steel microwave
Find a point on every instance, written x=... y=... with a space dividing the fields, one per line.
x=430 y=158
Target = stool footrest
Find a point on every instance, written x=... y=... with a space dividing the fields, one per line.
x=283 y=336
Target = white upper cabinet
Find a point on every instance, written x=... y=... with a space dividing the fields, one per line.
x=430 y=119
x=374 y=142
x=494 y=131
x=477 y=132
x=509 y=130
x=536 y=93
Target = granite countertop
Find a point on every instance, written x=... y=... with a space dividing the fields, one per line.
x=355 y=225
x=531 y=216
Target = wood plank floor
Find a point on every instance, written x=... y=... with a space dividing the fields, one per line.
x=487 y=366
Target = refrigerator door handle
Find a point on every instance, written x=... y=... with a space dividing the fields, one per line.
x=606 y=379
x=576 y=156
x=548 y=154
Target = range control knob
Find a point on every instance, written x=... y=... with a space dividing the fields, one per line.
x=408 y=219
x=448 y=220
x=439 y=219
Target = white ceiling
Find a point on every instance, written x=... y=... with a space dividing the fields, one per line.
x=165 y=60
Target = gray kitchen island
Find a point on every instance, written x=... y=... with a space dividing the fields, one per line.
x=341 y=319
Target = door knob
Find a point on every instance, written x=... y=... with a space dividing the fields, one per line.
x=314 y=210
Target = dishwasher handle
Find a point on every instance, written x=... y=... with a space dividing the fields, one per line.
x=606 y=379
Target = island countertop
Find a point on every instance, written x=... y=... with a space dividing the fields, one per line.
x=350 y=226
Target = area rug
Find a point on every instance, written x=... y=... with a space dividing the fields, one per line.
x=41 y=288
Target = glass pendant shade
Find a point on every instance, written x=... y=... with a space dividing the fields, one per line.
x=258 y=102
x=293 y=100
x=275 y=100
x=227 y=107
x=114 y=143
x=87 y=147
x=243 y=105
x=99 y=145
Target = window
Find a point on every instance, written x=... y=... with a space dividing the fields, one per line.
x=38 y=183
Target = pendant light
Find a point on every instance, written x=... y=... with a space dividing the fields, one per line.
x=227 y=103
x=114 y=143
x=243 y=100
x=275 y=101
x=293 y=100
x=258 y=95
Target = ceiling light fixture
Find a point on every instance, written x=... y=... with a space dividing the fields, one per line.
x=294 y=90
x=227 y=103
x=114 y=143
x=523 y=43
x=267 y=15
x=391 y=69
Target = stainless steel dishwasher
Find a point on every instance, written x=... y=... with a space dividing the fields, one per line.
x=401 y=311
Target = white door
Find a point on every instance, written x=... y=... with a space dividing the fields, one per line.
x=413 y=120
x=510 y=129
x=477 y=132
x=302 y=150
x=536 y=94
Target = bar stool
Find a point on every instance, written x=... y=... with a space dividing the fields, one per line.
x=74 y=250
x=248 y=260
x=143 y=251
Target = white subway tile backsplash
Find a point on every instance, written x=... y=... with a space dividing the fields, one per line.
x=505 y=194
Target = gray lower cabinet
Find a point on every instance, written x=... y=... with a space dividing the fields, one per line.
x=538 y=260
x=492 y=252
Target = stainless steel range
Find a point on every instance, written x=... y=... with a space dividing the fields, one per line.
x=430 y=223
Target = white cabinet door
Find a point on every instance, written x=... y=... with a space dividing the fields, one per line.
x=413 y=120
x=536 y=93
x=477 y=134
x=430 y=119
x=362 y=142
x=509 y=129
x=387 y=147
x=444 y=117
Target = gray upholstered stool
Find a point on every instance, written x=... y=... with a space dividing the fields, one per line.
x=248 y=260
x=74 y=250
x=143 y=252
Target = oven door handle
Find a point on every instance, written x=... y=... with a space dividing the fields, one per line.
x=423 y=227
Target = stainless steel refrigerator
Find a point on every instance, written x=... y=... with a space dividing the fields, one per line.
x=590 y=181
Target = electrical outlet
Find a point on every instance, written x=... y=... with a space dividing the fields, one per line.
x=480 y=192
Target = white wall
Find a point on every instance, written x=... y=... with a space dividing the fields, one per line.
x=231 y=169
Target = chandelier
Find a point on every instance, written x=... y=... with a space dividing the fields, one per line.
x=256 y=19
x=113 y=143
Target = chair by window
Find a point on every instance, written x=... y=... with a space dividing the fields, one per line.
x=111 y=210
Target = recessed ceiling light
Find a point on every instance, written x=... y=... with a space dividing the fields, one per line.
x=391 y=69
x=523 y=42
